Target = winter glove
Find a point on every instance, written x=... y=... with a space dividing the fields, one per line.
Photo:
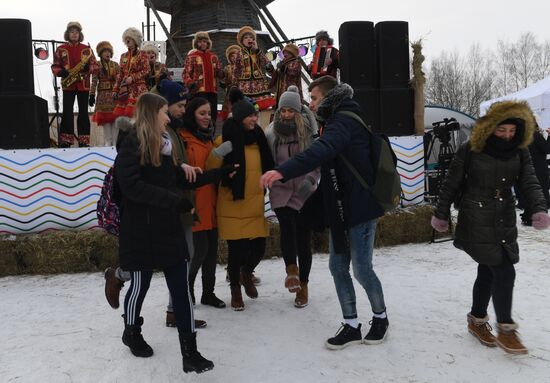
x=193 y=87
x=224 y=149
x=85 y=68
x=226 y=169
x=184 y=205
x=541 y=220
x=63 y=73
x=440 y=225
x=91 y=100
x=306 y=187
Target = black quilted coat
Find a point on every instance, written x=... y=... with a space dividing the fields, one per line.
x=486 y=227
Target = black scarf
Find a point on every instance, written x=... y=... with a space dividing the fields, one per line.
x=503 y=149
x=203 y=134
x=284 y=128
x=235 y=132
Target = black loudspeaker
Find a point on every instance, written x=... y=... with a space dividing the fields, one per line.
x=369 y=100
x=397 y=111
x=392 y=42
x=358 y=54
x=16 y=74
x=24 y=122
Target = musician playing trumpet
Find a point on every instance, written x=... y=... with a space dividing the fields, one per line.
x=74 y=62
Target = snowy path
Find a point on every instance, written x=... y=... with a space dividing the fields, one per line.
x=60 y=328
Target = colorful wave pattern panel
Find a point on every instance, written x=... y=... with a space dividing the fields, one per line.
x=410 y=165
x=51 y=189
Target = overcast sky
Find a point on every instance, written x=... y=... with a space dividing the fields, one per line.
x=442 y=24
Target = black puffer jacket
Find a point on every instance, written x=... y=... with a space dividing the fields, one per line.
x=151 y=233
x=486 y=227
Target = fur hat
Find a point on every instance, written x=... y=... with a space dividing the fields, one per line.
x=243 y=31
x=102 y=45
x=149 y=46
x=172 y=91
x=323 y=35
x=230 y=49
x=291 y=99
x=292 y=49
x=134 y=34
x=201 y=36
x=499 y=112
x=73 y=24
x=241 y=106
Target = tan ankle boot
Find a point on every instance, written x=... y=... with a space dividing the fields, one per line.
x=237 y=303
x=248 y=284
x=481 y=329
x=292 y=280
x=508 y=339
x=301 y=296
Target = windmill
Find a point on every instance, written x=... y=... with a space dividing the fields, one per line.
x=220 y=18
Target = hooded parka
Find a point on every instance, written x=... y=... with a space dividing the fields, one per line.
x=486 y=227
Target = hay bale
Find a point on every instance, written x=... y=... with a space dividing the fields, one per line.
x=94 y=250
x=9 y=261
x=407 y=225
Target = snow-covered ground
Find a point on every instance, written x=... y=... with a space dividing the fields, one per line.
x=60 y=328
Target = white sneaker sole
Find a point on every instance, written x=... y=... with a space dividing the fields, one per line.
x=341 y=347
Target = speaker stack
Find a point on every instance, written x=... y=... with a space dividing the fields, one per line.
x=24 y=116
x=374 y=60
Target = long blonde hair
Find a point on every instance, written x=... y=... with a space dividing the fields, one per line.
x=146 y=114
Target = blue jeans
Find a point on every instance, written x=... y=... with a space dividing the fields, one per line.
x=361 y=243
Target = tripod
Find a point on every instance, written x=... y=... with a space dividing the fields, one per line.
x=444 y=158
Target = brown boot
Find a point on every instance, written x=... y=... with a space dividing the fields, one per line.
x=113 y=285
x=508 y=339
x=248 y=283
x=301 y=296
x=237 y=303
x=171 y=321
x=292 y=280
x=481 y=329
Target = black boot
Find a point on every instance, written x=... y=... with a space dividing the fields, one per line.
x=192 y=359
x=134 y=340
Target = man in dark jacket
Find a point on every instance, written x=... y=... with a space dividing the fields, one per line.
x=351 y=210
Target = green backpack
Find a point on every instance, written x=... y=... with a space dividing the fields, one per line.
x=387 y=182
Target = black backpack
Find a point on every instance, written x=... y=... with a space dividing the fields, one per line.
x=386 y=189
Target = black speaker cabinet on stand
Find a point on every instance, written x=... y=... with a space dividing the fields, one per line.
x=16 y=70
x=24 y=122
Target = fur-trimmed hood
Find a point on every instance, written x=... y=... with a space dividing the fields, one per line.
x=332 y=100
x=498 y=112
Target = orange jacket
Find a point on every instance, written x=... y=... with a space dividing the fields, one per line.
x=205 y=196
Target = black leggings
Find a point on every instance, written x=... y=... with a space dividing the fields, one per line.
x=206 y=255
x=83 y=120
x=243 y=254
x=498 y=282
x=176 y=280
x=295 y=239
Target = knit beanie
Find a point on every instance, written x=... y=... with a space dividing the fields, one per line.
x=172 y=91
x=291 y=99
x=241 y=106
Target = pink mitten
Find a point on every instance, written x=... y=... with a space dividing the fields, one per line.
x=440 y=225
x=540 y=220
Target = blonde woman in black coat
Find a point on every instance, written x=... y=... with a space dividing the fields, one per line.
x=486 y=229
x=151 y=233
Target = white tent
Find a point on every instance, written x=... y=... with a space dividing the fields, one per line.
x=537 y=95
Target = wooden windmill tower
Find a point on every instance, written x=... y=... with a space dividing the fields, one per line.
x=220 y=18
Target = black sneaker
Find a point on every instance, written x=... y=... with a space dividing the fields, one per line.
x=346 y=336
x=378 y=331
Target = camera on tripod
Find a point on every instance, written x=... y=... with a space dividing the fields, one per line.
x=442 y=129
